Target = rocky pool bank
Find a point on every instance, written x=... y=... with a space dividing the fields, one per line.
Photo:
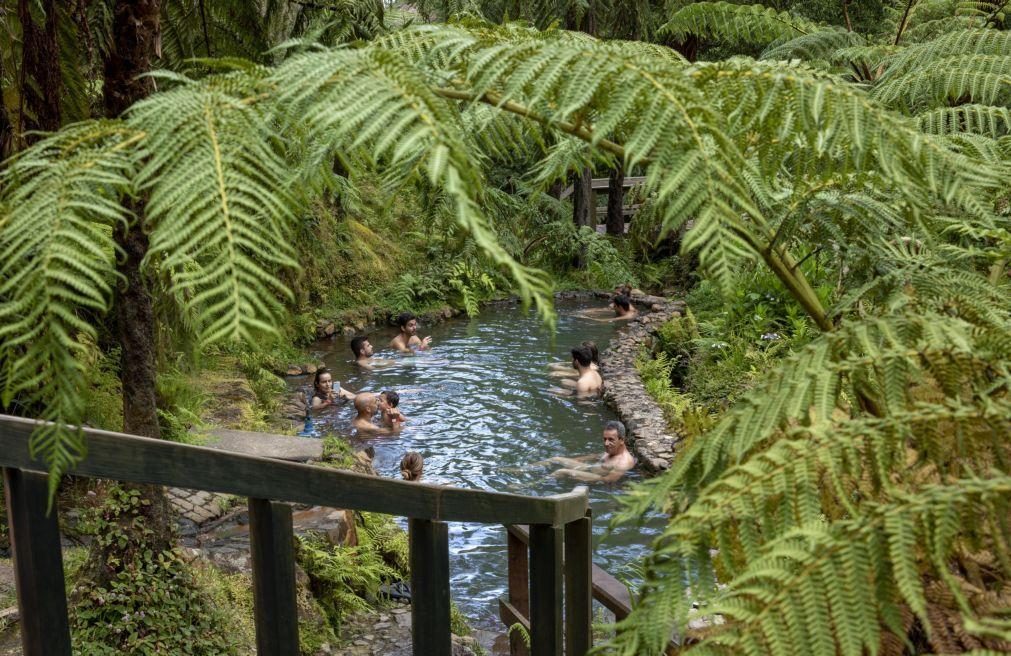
x=651 y=439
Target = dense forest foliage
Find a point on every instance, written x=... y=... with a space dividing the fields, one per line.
x=834 y=174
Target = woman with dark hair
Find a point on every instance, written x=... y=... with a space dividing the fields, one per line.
x=326 y=391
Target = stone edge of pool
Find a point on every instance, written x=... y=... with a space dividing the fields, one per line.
x=652 y=441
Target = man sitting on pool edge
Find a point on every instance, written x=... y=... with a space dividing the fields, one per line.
x=608 y=468
x=408 y=335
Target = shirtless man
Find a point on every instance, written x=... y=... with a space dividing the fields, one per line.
x=600 y=469
x=408 y=335
x=623 y=308
x=326 y=391
x=366 y=405
x=589 y=381
x=362 y=349
x=565 y=370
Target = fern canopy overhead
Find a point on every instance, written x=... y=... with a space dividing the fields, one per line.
x=826 y=505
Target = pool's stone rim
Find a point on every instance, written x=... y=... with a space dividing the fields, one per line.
x=650 y=438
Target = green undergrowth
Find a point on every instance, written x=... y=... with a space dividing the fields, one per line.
x=149 y=601
x=702 y=362
x=346 y=579
x=338 y=454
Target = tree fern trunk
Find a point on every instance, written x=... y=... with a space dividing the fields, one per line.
x=136 y=41
x=6 y=128
x=583 y=211
x=40 y=69
x=616 y=202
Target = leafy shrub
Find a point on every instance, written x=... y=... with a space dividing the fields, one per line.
x=152 y=603
x=382 y=535
x=342 y=579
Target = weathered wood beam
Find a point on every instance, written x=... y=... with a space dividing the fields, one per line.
x=545 y=590
x=142 y=460
x=578 y=587
x=273 y=555
x=38 y=564
x=429 y=541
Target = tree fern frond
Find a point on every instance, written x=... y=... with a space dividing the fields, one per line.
x=822 y=44
x=218 y=207
x=843 y=130
x=60 y=206
x=981 y=12
x=737 y=23
x=966 y=43
x=985 y=120
x=372 y=97
x=981 y=79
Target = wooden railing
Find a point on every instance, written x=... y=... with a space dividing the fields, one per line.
x=514 y=608
x=558 y=523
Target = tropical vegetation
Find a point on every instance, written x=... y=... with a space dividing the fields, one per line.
x=850 y=164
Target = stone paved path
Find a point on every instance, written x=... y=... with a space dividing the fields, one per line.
x=196 y=506
x=386 y=633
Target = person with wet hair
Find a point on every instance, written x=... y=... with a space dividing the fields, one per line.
x=408 y=335
x=412 y=466
x=390 y=416
x=327 y=391
x=623 y=308
x=565 y=370
x=594 y=468
x=589 y=380
x=362 y=349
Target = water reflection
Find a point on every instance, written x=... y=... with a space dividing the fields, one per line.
x=480 y=413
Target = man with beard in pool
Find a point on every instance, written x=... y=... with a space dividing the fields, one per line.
x=408 y=335
x=608 y=468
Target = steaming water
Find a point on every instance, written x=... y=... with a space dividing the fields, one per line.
x=480 y=410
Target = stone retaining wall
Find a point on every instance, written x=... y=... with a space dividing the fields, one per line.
x=651 y=440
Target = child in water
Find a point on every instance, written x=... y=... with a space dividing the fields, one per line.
x=391 y=417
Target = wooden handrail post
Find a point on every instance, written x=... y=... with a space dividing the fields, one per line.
x=578 y=586
x=38 y=564
x=430 y=630
x=545 y=590
x=519 y=588
x=273 y=554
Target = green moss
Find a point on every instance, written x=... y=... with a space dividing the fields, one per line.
x=314 y=628
x=7 y=597
x=338 y=454
x=231 y=595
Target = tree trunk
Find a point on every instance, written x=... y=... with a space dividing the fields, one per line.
x=6 y=128
x=136 y=34
x=584 y=213
x=689 y=48
x=40 y=69
x=136 y=42
x=616 y=201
